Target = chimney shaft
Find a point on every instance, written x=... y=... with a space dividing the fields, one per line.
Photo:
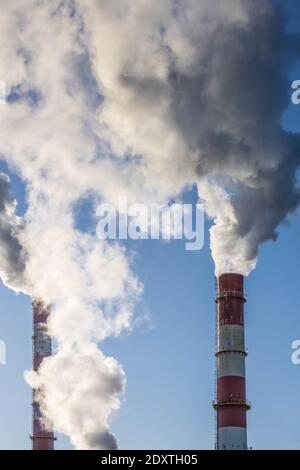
x=231 y=405
x=42 y=439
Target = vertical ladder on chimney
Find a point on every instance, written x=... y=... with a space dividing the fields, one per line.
x=216 y=366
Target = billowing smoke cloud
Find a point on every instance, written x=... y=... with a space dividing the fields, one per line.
x=47 y=136
x=106 y=97
x=86 y=401
x=12 y=254
x=198 y=89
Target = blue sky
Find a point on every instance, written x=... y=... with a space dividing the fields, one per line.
x=169 y=359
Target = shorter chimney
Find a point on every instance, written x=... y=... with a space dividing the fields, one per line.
x=42 y=439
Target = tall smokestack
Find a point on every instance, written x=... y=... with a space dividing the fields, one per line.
x=231 y=405
x=42 y=439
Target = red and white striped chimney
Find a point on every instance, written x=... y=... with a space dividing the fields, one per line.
x=42 y=439
x=231 y=405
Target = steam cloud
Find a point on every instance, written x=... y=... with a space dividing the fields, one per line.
x=12 y=255
x=48 y=137
x=198 y=89
x=109 y=96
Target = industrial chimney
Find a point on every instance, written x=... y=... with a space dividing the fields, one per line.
x=230 y=404
x=42 y=439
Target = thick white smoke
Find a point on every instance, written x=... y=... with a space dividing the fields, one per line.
x=12 y=255
x=106 y=97
x=47 y=137
x=197 y=88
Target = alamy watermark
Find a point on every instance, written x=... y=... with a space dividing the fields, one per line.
x=2 y=353
x=295 y=358
x=2 y=92
x=296 y=93
x=152 y=222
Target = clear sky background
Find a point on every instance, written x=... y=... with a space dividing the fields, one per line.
x=169 y=358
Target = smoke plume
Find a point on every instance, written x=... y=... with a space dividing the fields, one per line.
x=199 y=89
x=48 y=137
x=105 y=97
x=12 y=255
